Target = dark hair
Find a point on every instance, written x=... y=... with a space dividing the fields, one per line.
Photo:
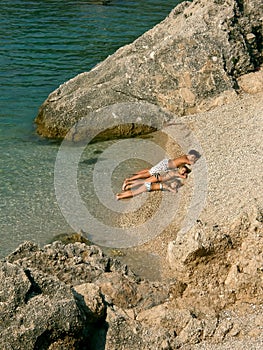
x=194 y=153
x=186 y=167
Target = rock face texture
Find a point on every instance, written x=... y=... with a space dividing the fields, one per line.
x=188 y=63
x=74 y=297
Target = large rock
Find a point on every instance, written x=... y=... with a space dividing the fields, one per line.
x=224 y=261
x=74 y=297
x=58 y=296
x=37 y=310
x=188 y=63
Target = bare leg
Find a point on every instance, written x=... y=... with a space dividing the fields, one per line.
x=139 y=190
x=129 y=193
x=141 y=171
x=140 y=175
x=131 y=184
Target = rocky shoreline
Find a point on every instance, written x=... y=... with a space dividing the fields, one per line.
x=73 y=296
x=189 y=63
x=209 y=294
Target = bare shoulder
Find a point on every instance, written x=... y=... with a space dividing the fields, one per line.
x=179 y=161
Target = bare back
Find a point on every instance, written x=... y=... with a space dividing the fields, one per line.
x=175 y=163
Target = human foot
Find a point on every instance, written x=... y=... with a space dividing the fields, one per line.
x=124 y=185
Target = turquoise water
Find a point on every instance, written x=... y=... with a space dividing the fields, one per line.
x=43 y=44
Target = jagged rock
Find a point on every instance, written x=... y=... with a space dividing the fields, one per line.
x=119 y=290
x=185 y=250
x=42 y=308
x=188 y=63
x=67 y=238
x=71 y=289
x=123 y=333
x=37 y=310
x=165 y=326
x=72 y=263
x=251 y=83
x=226 y=263
x=39 y=307
x=90 y=297
x=245 y=274
x=124 y=293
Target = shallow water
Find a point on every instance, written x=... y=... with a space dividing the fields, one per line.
x=43 y=44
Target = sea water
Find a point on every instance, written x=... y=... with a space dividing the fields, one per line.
x=43 y=44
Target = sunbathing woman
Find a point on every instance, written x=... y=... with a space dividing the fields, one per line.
x=170 y=182
x=163 y=166
x=181 y=172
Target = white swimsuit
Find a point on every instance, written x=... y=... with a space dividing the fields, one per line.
x=148 y=186
x=160 y=167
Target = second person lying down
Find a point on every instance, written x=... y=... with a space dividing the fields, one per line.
x=170 y=181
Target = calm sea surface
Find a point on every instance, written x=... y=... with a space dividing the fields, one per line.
x=43 y=44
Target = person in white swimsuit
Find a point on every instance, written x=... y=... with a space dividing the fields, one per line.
x=163 y=166
x=170 y=182
x=178 y=173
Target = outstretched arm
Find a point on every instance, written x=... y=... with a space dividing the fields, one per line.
x=184 y=176
x=169 y=188
x=168 y=176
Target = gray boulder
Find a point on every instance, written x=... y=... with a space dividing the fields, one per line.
x=37 y=310
x=73 y=297
x=188 y=63
x=58 y=296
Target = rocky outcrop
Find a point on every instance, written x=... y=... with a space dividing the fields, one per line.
x=73 y=296
x=233 y=256
x=251 y=83
x=60 y=296
x=188 y=63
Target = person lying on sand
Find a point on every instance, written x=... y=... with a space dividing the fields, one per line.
x=181 y=172
x=171 y=181
x=163 y=166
